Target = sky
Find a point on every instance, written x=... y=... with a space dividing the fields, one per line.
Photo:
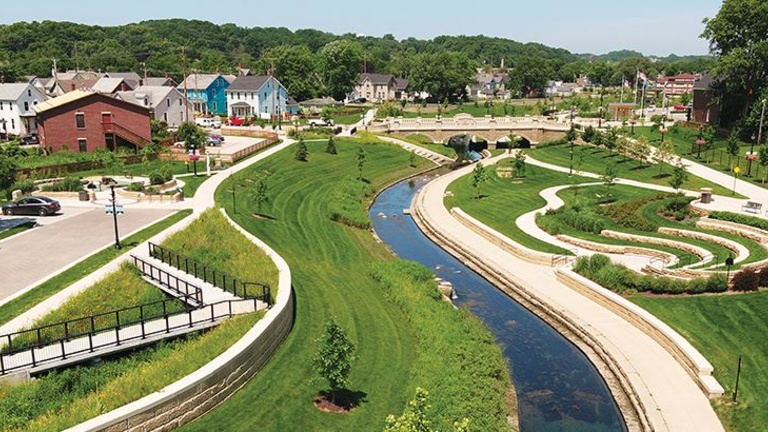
x=653 y=27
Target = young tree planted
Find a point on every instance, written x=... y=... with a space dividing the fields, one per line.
x=301 y=151
x=519 y=164
x=608 y=177
x=412 y=159
x=479 y=176
x=330 y=148
x=334 y=357
x=360 y=158
x=679 y=176
x=732 y=148
x=664 y=153
x=258 y=191
x=763 y=160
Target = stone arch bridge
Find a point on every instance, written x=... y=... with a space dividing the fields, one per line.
x=491 y=129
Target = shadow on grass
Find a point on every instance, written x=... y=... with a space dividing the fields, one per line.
x=345 y=400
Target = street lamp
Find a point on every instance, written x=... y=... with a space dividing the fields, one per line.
x=662 y=131
x=113 y=200
x=194 y=157
x=760 y=128
x=750 y=157
x=600 y=110
x=279 y=120
x=699 y=142
x=632 y=123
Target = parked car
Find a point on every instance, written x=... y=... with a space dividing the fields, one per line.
x=215 y=139
x=320 y=122
x=236 y=121
x=29 y=139
x=32 y=205
x=208 y=122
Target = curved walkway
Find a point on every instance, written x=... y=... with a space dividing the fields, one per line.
x=669 y=397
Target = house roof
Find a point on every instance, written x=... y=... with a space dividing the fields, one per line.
x=704 y=83
x=248 y=83
x=375 y=78
x=229 y=77
x=320 y=102
x=198 y=81
x=159 y=81
x=154 y=94
x=12 y=91
x=402 y=83
x=128 y=76
x=107 y=85
x=62 y=100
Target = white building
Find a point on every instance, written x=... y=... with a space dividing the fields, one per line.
x=16 y=102
x=167 y=103
x=261 y=96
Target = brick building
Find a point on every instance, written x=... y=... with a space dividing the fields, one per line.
x=83 y=121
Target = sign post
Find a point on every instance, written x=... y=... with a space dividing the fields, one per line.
x=735 y=173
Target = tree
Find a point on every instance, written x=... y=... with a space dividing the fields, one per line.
x=738 y=37
x=608 y=177
x=258 y=191
x=193 y=135
x=479 y=176
x=301 y=150
x=679 y=176
x=339 y=65
x=330 y=148
x=530 y=75
x=8 y=168
x=360 y=158
x=764 y=162
x=732 y=147
x=519 y=164
x=334 y=357
x=444 y=75
x=571 y=134
x=663 y=154
x=412 y=159
x=296 y=68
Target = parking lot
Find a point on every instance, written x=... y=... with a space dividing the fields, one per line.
x=62 y=239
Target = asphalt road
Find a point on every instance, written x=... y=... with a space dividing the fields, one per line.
x=62 y=239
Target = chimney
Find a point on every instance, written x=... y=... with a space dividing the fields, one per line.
x=72 y=86
x=167 y=75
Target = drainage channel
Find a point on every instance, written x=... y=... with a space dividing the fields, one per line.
x=558 y=388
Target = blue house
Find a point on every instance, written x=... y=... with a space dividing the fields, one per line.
x=206 y=93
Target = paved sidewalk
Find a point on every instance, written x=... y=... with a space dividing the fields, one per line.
x=672 y=400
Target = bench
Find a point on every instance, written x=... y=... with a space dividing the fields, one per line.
x=752 y=207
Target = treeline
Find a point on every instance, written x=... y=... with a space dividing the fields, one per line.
x=309 y=62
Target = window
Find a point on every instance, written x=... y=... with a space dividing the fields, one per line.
x=82 y=145
x=29 y=92
x=26 y=106
x=80 y=120
x=168 y=102
x=13 y=124
x=215 y=106
x=1 y=105
x=180 y=102
x=165 y=117
x=213 y=93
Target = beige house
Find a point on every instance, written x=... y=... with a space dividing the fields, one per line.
x=377 y=88
x=166 y=103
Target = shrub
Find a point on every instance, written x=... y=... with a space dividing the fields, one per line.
x=135 y=187
x=156 y=178
x=67 y=184
x=582 y=221
x=746 y=280
x=763 y=277
x=752 y=221
x=25 y=186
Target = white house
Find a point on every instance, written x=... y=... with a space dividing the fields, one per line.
x=16 y=102
x=166 y=103
x=262 y=96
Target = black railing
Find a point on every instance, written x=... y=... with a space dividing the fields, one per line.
x=215 y=277
x=59 y=341
x=184 y=289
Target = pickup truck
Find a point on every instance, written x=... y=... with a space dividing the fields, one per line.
x=320 y=122
x=208 y=122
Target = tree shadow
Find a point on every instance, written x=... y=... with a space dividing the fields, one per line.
x=345 y=399
x=661 y=176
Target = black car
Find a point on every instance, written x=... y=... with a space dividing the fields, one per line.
x=33 y=205
x=29 y=139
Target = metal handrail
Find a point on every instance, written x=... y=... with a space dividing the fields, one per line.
x=59 y=349
x=185 y=289
x=215 y=277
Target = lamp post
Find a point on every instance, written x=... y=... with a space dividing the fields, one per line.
x=750 y=157
x=194 y=157
x=760 y=128
x=632 y=123
x=662 y=131
x=114 y=214
x=699 y=142
x=600 y=110
x=279 y=119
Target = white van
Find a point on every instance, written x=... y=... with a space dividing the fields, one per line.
x=207 y=122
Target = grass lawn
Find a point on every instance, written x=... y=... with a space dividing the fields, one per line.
x=17 y=229
x=191 y=183
x=497 y=109
x=594 y=160
x=723 y=327
x=504 y=201
x=426 y=142
x=331 y=266
x=46 y=289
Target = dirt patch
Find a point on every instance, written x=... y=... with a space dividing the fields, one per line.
x=344 y=402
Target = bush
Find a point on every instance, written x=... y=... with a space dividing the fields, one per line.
x=25 y=186
x=67 y=184
x=156 y=178
x=135 y=187
x=582 y=221
x=752 y=221
x=628 y=215
x=746 y=280
x=346 y=203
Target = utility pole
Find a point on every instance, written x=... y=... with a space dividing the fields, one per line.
x=760 y=128
x=186 y=94
x=144 y=65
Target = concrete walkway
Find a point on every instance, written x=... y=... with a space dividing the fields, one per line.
x=670 y=397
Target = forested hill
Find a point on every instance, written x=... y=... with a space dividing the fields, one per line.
x=29 y=47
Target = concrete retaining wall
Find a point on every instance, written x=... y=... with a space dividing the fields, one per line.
x=201 y=391
x=694 y=363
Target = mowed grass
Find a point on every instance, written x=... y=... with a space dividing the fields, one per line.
x=722 y=328
x=594 y=160
x=503 y=201
x=330 y=265
x=212 y=241
x=57 y=283
x=17 y=229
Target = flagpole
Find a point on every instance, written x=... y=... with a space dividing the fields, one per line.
x=642 y=101
x=623 y=81
x=637 y=78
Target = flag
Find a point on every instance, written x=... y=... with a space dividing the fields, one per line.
x=626 y=84
x=641 y=76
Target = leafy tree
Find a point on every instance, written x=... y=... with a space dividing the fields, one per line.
x=330 y=148
x=444 y=75
x=412 y=159
x=296 y=68
x=679 y=176
x=258 y=192
x=530 y=75
x=608 y=177
x=664 y=153
x=519 y=163
x=611 y=139
x=193 y=135
x=738 y=36
x=764 y=161
x=588 y=135
x=339 y=65
x=571 y=134
x=479 y=176
x=8 y=169
x=641 y=150
x=301 y=150
x=732 y=147
x=327 y=114
x=334 y=357
x=360 y=158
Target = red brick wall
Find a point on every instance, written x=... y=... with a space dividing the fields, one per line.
x=57 y=127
